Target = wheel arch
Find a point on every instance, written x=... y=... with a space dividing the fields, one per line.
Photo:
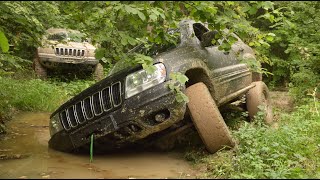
x=199 y=74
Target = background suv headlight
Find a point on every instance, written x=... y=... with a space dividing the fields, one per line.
x=141 y=80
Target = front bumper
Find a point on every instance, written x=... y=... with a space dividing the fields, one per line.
x=134 y=120
x=57 y=61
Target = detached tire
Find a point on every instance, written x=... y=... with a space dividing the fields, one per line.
x=98 y=72
x=259 y=96
x=207 y=118
x=40 y=71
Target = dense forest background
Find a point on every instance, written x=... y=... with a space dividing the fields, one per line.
x=284 y=34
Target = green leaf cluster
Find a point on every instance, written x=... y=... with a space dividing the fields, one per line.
x=177 y=83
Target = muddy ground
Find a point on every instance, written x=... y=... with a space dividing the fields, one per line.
x=24 y=153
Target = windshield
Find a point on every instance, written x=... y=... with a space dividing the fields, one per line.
x=153 y=49
x=150 y=49
x=77 y=37
x=57 y=36
x=71 y=36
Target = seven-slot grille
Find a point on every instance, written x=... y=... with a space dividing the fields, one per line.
x=94 y=105
x=69 y=52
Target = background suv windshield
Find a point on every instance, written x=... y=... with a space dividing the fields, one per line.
x=73 y=37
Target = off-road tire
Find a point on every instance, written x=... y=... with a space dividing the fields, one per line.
x=98 y=72
x=40 y=71
x=259 y=96
x=207 y=118
x=256 y=76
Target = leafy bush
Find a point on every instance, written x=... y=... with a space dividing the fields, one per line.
x=24 y=23
x=294 y=52
x=290 y=150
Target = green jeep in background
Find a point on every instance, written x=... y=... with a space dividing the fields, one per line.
x=132 y=107
x=66 y=49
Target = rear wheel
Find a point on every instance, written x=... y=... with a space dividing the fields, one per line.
x=40 y=71
x=258 y=97
x=207 y=118
x=98 y=72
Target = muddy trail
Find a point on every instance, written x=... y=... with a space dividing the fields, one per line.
x=24 y=153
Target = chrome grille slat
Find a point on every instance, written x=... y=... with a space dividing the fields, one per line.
x=87 y=108
x=116 y=94
x=69 y=52
x=79 y=113
x=102 y=101
x=72 y=119
x=106 y=99
x=97 y=108
x=61 y=51
x=64 y=120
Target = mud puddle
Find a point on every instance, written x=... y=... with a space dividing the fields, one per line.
x=24 y=153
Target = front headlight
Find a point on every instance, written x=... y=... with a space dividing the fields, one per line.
x=55 y=125
x=141 y=80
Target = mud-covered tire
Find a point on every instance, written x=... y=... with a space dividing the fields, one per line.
x=98 y=72
x=207 y=118
x=40 y=71
x=259 y=96
x=256 y=76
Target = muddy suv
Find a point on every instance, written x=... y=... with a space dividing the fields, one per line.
x=132 y=107
x=65 y=49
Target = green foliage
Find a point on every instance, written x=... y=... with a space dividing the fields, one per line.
x=24 y=23
x=13 y=65
x=290 y=150
x=294 y=52
x=145 y=61
x=178 y=80
x=118 y=26
x=4 y=45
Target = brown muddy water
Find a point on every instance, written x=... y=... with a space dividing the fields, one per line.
x=24 y=153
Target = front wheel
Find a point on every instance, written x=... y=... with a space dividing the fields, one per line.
x=98 y=72
x=40 y=71
x=258 y=98
x=207 y=118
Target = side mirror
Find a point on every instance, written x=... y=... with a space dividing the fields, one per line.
x=207 y=37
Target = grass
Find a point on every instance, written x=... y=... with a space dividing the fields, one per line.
x=35 y=94
x=73 y=87
x=30 y=95
x=290 y=150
